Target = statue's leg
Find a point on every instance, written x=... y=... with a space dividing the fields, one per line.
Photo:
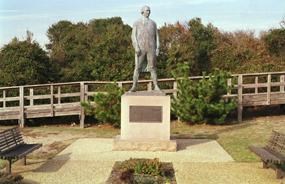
x=138 y=63
x=154 y=79
x=135 y=80
x=151 y=57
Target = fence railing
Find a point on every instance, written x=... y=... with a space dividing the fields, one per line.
x=61 y=99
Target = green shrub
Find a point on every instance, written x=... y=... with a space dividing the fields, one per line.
x=107 y=106
x=280 y=166
x=10 y=179
x=143 y=166
x=202 y=101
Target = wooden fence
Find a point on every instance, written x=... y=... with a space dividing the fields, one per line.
x=64 y=99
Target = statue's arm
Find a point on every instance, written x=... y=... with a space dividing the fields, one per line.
x=157 y=39
x=134 y=38
x=157 y=42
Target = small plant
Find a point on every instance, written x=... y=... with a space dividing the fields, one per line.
x=144 y=166
x=142 y=171
x=107 y=106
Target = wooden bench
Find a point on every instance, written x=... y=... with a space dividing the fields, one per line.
x=273 y=154
x=12 y=147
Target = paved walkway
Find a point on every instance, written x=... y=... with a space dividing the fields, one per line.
x=197 y=161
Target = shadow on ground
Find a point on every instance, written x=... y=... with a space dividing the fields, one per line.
x=54 y=164
x=183 y=144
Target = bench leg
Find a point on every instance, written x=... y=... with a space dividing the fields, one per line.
x=24 y=161
x=279 y=174
x=265 y=165
x=9 y=167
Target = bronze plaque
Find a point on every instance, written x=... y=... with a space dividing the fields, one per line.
x=145 y=114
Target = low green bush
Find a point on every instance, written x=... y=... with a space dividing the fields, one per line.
x=107 y=105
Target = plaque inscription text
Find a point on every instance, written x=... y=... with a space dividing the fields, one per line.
x=145 y=114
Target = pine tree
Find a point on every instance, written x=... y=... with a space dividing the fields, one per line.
x=202 y=101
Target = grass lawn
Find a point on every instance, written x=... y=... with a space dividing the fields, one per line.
x=235 y=139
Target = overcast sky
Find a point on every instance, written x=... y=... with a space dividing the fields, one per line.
x=17 y=16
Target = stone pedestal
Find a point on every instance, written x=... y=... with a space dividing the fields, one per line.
x=145 y=123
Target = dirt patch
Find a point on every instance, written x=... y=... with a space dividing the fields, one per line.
x=53 y=142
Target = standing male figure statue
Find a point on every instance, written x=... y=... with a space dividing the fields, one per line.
x=145 y=41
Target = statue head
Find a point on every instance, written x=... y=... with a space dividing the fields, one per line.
x=145 y=11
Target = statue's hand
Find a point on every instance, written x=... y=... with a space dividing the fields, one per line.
x=157 y=52
x=138 y=51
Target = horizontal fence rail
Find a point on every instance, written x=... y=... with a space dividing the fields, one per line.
x=64 y=99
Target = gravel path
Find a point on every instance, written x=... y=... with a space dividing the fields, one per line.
x=198 y=162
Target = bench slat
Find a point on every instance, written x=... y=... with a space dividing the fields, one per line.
x=20 y=151
x=6 y=140
x=277 y=143
x=265 y=155
x=10 y=138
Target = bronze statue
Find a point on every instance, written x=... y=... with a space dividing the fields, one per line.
x=146 y=44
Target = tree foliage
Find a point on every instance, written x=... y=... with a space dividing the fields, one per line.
x=99 y=50
x=190 y=43
x=275 y=41
x=204 y=43
x=25 y=62
x=241 y=52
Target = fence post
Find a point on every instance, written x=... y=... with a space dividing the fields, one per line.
x=229 y=83
x=256 y=84
x=21 y=106
x=120 y=85
x=51 y=101
x=31 y=96
x=281 y=83
x=175 y=89
x=240 y=108
x=86 y=91
x=4 y=98
x=268 y=88
x=58 y=95
x=149 y=86
x=82 y=99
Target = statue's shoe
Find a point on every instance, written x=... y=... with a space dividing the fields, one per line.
x=133 y=89
x=156 y=88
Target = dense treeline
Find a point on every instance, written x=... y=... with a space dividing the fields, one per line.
x=102 y=50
